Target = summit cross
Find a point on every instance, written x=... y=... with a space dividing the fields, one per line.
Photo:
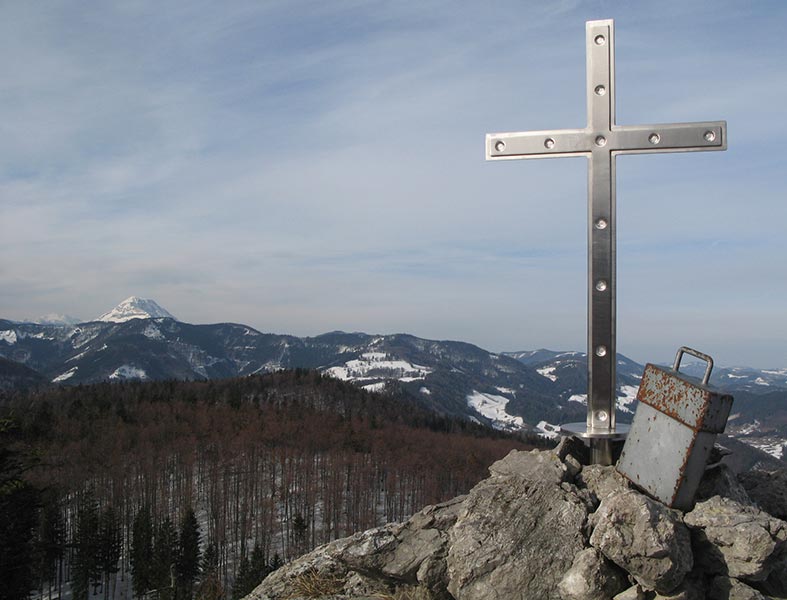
x=601 y=141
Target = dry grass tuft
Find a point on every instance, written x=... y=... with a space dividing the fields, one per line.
x=409 y=593
x=313 y=584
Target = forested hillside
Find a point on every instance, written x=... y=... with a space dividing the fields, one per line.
x=185 y=487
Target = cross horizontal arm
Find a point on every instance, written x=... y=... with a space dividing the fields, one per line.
x=673 y=137
x=537 y=144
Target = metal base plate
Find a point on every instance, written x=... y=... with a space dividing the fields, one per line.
x=581 y=430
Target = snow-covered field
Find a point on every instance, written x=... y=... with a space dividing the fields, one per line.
x=128 y=372
x=378 y=365
x=493 y=407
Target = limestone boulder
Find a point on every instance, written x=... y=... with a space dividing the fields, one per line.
x=726 y=588
x=592 y=576
x=518 y=531
x=736 y=540
x=645 y=538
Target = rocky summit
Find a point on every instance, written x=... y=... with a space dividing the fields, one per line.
x=546 y=525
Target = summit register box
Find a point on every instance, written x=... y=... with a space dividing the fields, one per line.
x=674 y=429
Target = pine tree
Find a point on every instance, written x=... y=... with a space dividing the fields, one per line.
x=188 y=566
x=18 y=519
x=51 y=538
x=164 y=554
x=240 y=587
x=85 y=566
x=110 y=543
x=142 y=552
x=210 y=587
x=259 y=567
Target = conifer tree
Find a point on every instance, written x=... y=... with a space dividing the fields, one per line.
x=51 y=539
x=18 y=519
x=188 y=566
x=164 y=555
x=259 y=567
x=85 y=565
x=110 y=544
x=142 y=552
x=241 y=586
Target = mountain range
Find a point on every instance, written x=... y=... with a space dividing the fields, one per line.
x=528 y=390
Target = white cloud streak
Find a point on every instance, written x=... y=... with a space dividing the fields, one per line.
x=306 y=166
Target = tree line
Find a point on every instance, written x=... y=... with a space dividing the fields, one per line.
x=179 y=490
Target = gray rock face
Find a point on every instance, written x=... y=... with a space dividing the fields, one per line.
x=518 y=532
x=725 y=588
x=592 y=576
x=644 y=537
x=523 y=533
x=736 y=540
x=602 y=481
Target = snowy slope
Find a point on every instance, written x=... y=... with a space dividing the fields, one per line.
x=135 y=308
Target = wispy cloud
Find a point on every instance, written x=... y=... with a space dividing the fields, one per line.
x=308 y=166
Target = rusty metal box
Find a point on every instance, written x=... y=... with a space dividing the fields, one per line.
x=673 y=432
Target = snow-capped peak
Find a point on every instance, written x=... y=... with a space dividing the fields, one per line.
x=135 y=308
x=55 y=319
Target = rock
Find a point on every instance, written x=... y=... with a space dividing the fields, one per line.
x=644 y=537
x=602 y=481
x=592 y=576
x=518 y=531
x=635 y=592
x=768 y=489
x=533 y=466
x=410 y=554
x=692 y=588
x=725 y=588
x=574 y=447
x=720 y=480
x=732 y=539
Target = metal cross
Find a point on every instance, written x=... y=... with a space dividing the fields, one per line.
x=601 y=141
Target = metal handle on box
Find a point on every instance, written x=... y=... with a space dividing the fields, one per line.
x=702 y=356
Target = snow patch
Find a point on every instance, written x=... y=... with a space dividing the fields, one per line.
x=761 y=381
x=731 y=376
x=493 y=407
x=629 y=395
x=547 y=430
x=128 y=372
x=548 y=372
x=376 y=365
x=581 y=398
x=67 y=375
x=8 y=336
x=425 y=391
x=152 y=332
x=505 y=390
x=375 y=387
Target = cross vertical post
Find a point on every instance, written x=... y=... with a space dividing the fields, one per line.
x=601 y=141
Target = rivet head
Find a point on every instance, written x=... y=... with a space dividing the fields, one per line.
x=600 y=141
x=601 y=350
x=601 y=224
x=601 y=285
x=500 y=145
x=602 y=415
x=654 y=138
x=549 y=143
x=709 y=136
x=600 y=90
x=599 y=40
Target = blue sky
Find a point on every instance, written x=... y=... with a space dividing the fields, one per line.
x=302 y=167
